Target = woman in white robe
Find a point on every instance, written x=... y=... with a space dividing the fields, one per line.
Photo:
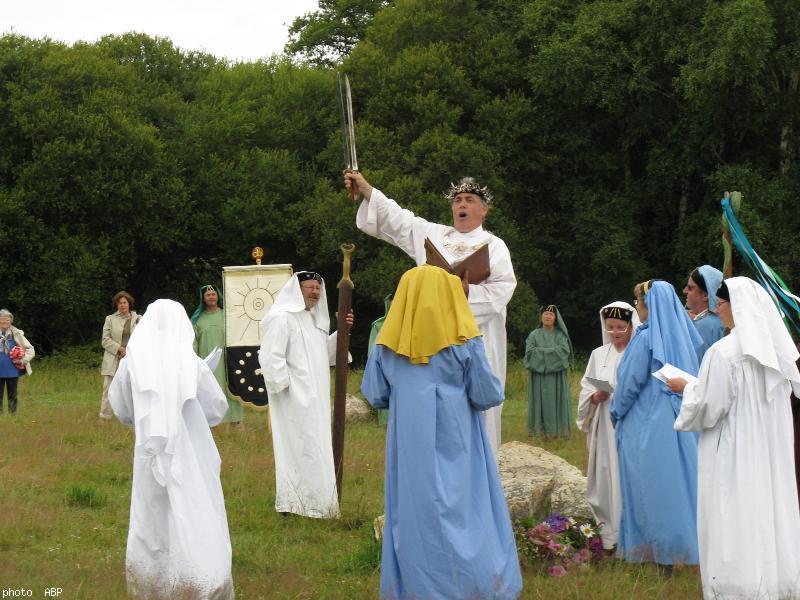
x=618 y=321
x=748 y=521
x=178 y=541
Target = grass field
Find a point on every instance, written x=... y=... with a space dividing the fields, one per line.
x=65 y=480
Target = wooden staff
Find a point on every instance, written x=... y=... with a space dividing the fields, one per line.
x=342 y=368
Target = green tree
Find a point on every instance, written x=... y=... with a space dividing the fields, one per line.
x=325 y=36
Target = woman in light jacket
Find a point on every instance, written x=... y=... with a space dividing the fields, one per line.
x=116 y=331
x=10 y=364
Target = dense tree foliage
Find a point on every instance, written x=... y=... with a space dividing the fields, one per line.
x=608 y=129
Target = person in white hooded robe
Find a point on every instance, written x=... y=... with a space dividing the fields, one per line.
x=178 y=540
x=383 y=218
x=295 y=356
x=618 y=322
x=748 y=523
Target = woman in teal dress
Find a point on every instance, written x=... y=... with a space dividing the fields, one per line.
x=208 y=320
x=548 y=354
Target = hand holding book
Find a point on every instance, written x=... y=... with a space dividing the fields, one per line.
x=472 y=270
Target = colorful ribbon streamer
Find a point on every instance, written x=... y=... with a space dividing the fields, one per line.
x=788 y=304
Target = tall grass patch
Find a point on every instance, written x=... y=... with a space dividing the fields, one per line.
x=85 y=496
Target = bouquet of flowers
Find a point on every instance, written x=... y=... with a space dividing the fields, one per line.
x=17 y=354
x=560 y=543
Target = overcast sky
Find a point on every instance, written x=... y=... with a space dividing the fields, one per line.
x=234 y=29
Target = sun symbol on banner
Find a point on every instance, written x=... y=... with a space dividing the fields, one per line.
x=255 y=302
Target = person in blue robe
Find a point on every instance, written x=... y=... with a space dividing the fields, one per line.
x=701 y=298
x=447 y=531
x=658 y=465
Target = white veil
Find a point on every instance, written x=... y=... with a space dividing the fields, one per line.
x=163 y=370
x=290 y=299
x=625 y=306
x=761 y=332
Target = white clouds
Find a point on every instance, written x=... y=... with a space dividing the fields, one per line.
x=235 y=29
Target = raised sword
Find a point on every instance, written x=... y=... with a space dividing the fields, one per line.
x=348 y=127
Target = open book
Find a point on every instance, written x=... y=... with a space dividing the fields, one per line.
x=476 y=264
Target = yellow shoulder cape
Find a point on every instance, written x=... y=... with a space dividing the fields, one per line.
x=429 y=313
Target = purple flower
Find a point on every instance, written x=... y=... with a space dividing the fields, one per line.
x=557 y=522
x=556 y=571
x=596 y=547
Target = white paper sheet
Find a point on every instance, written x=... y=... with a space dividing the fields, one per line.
x=669 y=371
x=212 y=360
x=603 y=386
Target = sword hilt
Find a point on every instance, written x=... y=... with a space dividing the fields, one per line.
x=353 y=192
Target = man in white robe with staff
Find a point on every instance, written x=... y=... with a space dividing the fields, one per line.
x=383 y=218
x=295 y=356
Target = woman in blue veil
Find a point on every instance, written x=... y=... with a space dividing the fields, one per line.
x=658 y=466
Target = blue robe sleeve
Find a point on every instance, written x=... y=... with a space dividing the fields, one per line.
x=633 y=374
x=374 y=386
x=483 y=388
x=711 y=330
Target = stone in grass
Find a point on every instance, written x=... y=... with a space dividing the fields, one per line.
x=357 y=410
x=537 y=483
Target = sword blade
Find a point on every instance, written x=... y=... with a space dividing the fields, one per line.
x=351 y=128
x=341 y=93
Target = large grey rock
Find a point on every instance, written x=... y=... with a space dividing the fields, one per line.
x=356 y=410
x=537 y=483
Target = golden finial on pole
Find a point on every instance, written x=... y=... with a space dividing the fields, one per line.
x=257 y=254
x=347 y=251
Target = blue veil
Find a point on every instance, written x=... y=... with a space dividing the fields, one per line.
x=713 y=279
x=673 y=335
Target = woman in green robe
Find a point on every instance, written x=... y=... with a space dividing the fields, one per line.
x=548 y=354
x=208 y=320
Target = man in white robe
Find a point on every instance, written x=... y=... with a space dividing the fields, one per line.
x=594 y=419
x=383 y=218
x=295 y=356
x=748 y=523
x=178 y=541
